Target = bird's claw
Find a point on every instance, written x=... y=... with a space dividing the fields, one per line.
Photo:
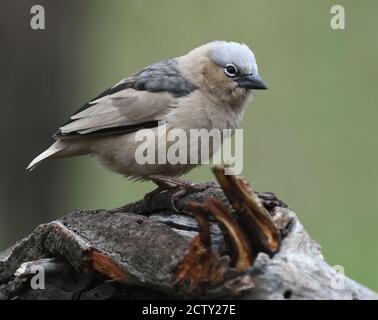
x=168 y=183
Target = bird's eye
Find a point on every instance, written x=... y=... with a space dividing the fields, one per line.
x=230 y=70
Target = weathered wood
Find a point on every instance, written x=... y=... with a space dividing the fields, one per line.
x=130 y=252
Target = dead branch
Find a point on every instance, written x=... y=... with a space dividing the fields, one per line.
x=230 y=243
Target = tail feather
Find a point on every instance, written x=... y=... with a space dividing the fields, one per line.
x=51 y=152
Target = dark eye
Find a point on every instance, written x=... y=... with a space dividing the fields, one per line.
x=230 y=70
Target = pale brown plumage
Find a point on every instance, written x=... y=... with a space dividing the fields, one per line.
x=194 y=91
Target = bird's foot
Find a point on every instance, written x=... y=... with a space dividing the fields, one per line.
x=168 y=183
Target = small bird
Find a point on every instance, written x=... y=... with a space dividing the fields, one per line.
x=207 y=88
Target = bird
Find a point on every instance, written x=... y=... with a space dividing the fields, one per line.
x=207 y=88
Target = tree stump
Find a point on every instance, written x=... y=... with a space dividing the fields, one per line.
x=226 y=242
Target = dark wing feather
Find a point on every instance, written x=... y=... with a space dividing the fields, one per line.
x=114 y=110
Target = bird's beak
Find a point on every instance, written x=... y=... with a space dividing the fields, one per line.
x=251 y=82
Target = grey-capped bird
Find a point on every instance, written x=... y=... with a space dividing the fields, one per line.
x=204 y=89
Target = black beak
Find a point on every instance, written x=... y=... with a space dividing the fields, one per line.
x=251 y=82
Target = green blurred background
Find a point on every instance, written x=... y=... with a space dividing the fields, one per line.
x=311 y=138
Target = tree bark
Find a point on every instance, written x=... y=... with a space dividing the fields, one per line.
x=146 y=250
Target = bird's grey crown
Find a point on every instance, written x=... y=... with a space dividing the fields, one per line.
x=223 y=53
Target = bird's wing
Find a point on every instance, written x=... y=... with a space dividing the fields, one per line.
x=137 y=102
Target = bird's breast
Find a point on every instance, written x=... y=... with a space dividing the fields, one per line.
x=201 y=110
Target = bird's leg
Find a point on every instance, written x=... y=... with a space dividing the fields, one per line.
x=167 y=183
x=163 y=183
x=174 y=182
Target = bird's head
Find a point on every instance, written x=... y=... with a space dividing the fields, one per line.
x=223 y=67
x=236 y=63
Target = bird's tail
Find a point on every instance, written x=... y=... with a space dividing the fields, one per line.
x=51 y=153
